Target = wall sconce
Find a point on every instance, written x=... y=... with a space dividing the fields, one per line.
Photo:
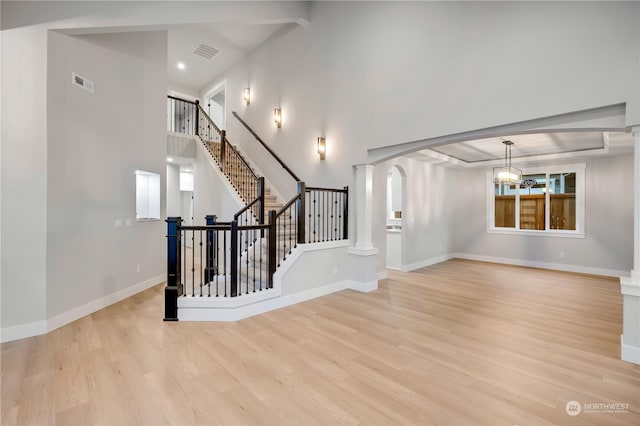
x=277 y=117
x=322 y=147
x=247 y=96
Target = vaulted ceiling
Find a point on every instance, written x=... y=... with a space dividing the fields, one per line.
x=230 y=42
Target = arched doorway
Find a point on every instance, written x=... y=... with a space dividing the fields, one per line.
x=396 y=194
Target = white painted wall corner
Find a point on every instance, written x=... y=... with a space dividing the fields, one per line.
x=629 y=353
x=41 y=327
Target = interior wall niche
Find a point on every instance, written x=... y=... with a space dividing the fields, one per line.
x=147 y=195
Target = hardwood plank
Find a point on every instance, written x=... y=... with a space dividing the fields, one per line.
x=460 y=342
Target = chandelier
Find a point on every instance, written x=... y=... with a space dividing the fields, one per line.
x=507 y=174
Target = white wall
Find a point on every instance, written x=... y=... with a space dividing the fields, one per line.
x=426 y=216
x=608 y=245
x=173 y=191
x=216 y=113
x=181 y=91
x=95 y=143
x=373 y=74
x=25 y=25
x=24 y=176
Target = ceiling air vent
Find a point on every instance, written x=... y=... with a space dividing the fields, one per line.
x=205 y=51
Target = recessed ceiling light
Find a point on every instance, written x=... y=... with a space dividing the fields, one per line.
x=181 y=65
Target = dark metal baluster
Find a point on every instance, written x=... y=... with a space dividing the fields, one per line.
x=217 y=252
x=333 y=215
x=287 y=229
x=315 y=235
x=340 y=210
x=278 y=240
x=184 y=112
x=260 y=250
x=324 y=219
x=193 y=264
x=186 y=271
x=325 y=216
x=271 y=264
x=234 y=259
x=201 y=274
x=328 y=215
x=246 y=250
x=345 y=219
x=224 y=250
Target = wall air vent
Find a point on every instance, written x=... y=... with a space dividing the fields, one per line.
x=82 y=82
x=205 y=51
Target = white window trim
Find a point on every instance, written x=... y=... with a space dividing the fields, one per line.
x=579 y=232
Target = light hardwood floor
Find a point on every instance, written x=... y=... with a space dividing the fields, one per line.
x=457 y=343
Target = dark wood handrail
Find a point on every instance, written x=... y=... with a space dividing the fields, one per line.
x=284 y=166
x=286 y=206
x=225 y=227
x=202 y=111
x=224 y=140
x=314 y=188
x=180 y=99
x=247 y=207
x=244 y=162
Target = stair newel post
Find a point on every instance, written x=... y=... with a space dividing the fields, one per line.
x=209 y=272
x=261 y=195
x=174 y=289
x=272 y=246
x=234 y=258
x=223 y=149
x=197 y=130
x=302 y=190
x=345 y=214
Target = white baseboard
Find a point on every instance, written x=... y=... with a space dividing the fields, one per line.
x=23 y=331
x=629 y=353
x=203 y=313
x=363 y=287
x=630 y=286
x=543 y=265
x=64 y=318
x=382 y=275
x=425 y=263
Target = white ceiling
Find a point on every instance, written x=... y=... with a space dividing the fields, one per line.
x=233 y=40
x=527 y=148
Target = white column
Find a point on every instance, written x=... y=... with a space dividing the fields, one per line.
x=636 y=205
x=364 y=206
x=630 y=287
x=364 y=256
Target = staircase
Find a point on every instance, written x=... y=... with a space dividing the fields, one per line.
x=239 y=257
x=235 y=175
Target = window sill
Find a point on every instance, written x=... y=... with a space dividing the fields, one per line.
x=553 y=234
x=148 y=219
